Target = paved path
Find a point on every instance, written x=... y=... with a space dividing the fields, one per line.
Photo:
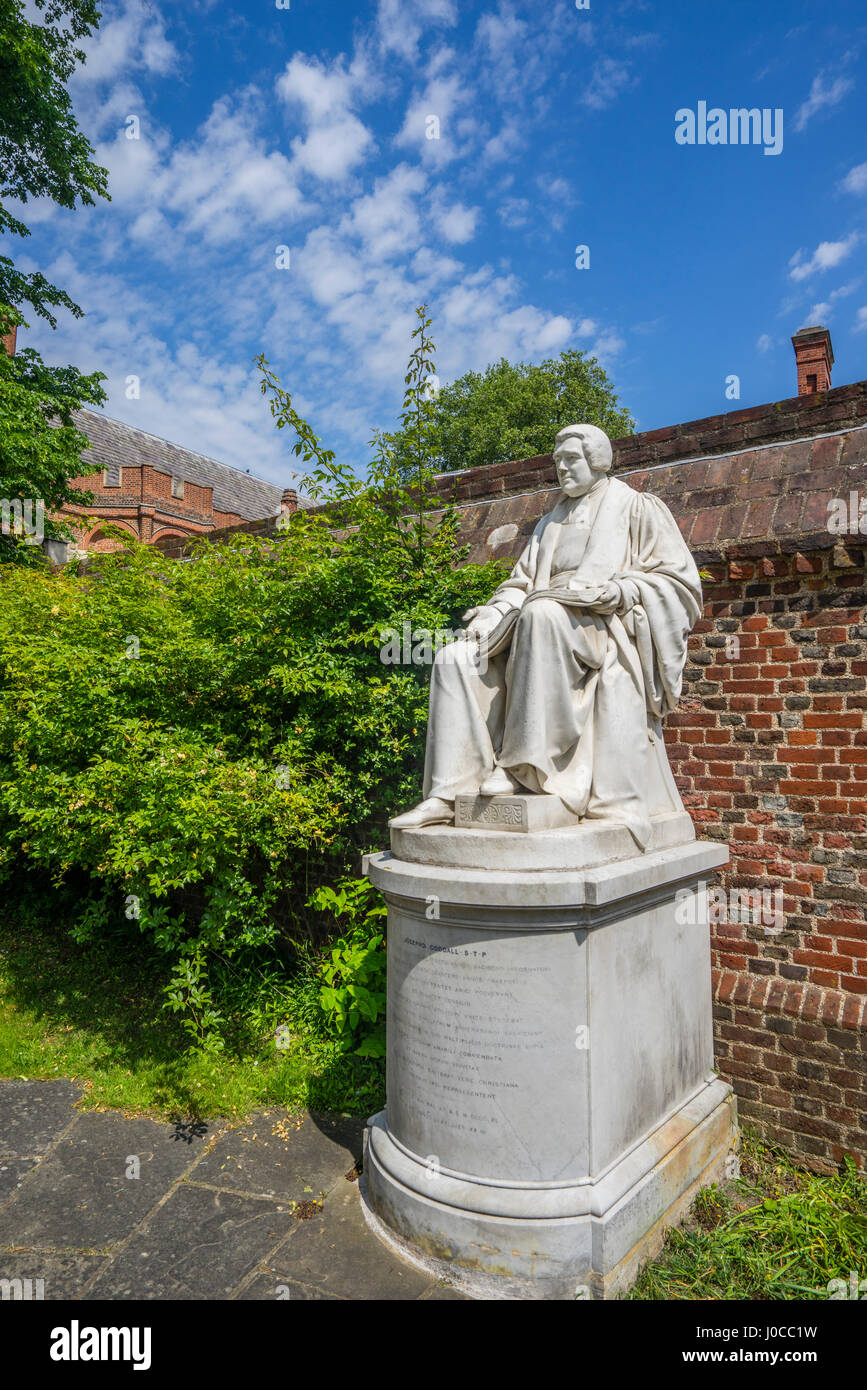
x=265 y=1210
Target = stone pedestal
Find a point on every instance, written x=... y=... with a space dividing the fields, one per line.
x=551 y=1099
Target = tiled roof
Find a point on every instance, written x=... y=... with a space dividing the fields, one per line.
x=112 y=442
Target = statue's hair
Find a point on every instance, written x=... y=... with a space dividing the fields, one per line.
x=600 y=453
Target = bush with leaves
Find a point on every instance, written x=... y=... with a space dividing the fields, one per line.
x=191 y=748
x=352 y=995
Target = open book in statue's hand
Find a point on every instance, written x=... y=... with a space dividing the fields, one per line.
x=576 y=594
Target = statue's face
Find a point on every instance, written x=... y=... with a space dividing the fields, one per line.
x=574 y=470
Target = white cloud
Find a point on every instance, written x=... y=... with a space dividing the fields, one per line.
x=442 y=101
x=133 y=38
x=432 y=268
x=330 y=151
x=479 y=321
x=386 y=221
x=401 y=23
x=226 y=180
x=608 y=78
x=514 y=212
x=823 y=93
x=501 y=35
x=856 y=179
x=336 y=140
x=506 y=143
x=330 y=269
x=322 y=93
x=178 y=273
x=861 y=319
x=826 y=255
x=607 y=346
x=557 y=188
x=764 y=342
x=456 y=222
x=823 y=311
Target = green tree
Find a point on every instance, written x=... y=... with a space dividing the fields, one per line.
x=513 y=411
x=43 y=154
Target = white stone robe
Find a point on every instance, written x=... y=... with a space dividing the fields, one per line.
x=569 y=708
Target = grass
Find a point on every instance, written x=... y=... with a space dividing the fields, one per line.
x=96 y=1016
x=775 y=1232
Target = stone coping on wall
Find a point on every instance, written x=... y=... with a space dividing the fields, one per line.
x=778 y=421
x=741 y=485
x=764 y=500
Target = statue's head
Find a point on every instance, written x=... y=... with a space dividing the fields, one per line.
x=582 y=454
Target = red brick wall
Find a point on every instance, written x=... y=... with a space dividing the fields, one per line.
x=769 y=749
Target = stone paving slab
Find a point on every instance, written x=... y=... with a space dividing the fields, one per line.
x=13 y=1171
x=267 y=1288
x=80 y=1197
x=282 y=1155
x=63 y=1276
x=199 y=1245
x=33 y=1115
x=335 y=1252
x=264 y=1211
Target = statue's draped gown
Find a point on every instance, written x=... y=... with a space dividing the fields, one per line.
x=569 y=708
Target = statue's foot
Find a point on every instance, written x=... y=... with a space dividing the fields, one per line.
x=432 y=811
x=499 y=783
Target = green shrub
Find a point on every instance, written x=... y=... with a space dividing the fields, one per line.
x=353 y=994
x=191 y=748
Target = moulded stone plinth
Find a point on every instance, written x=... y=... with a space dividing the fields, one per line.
x=551 y=1099
x=575 y=845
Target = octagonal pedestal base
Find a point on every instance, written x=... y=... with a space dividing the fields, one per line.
x=551 y=1100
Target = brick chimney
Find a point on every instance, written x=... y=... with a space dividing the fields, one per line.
x=9 y=342
x=289 y=501
x=814 y=358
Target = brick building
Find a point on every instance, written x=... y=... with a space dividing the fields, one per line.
x=769 y=742
x=159 y=492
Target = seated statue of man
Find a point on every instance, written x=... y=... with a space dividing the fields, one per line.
x=586 y=643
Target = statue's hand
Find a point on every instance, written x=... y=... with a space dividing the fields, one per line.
x=609 y=598
x=598 y=599
x=481 y=621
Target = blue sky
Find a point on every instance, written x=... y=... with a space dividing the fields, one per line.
x=262 y=127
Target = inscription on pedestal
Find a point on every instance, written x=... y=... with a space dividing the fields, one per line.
x=482 y=1050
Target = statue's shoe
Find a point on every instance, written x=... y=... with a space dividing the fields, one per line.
x=499 y=783
x=432 y=811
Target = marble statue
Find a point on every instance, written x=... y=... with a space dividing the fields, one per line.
x=585 y=645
